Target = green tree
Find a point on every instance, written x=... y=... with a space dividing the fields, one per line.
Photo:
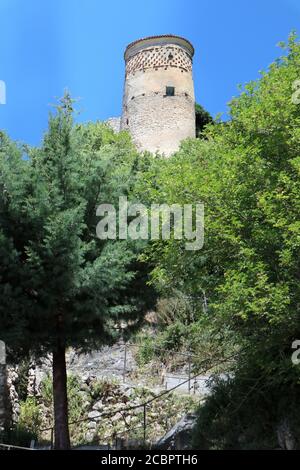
x=246 y=172
x=60 y=285
x=203 y=118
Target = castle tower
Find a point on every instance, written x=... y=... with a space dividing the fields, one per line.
x=158 y=101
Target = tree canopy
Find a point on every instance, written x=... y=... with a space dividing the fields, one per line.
x=60 y=284
x=246 y=172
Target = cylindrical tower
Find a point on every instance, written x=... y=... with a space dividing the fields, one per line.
x=158 y=101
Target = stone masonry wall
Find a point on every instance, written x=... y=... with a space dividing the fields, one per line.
x=3 y=387
x=158 y=122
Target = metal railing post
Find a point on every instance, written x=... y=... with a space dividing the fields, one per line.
x=189 y=382
x=52 y=438
x=145 y=425
x=125 y=360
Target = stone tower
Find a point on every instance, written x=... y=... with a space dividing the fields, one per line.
x=158 y=101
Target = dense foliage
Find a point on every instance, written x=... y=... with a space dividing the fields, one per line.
x=237 y=298
x=52 y=263
x=246 y=172
x=203 y=118
x=60 y=285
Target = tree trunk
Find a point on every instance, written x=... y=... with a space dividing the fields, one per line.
x=60 y=398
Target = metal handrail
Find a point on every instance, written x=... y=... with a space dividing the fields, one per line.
x=11 y=447
x=151 y=400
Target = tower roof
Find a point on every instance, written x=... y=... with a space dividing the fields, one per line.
x=139 y=44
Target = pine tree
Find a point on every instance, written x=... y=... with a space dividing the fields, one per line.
x=60 y=285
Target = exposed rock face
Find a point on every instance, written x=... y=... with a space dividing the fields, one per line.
x=180 y=436
x=32 y=380
x=285 y=436
x=5 y=409
x=12 y=380
x=102 y=391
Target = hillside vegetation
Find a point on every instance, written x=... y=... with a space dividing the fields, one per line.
x=235 y=303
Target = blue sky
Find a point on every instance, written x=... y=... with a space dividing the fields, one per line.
x=46 y=46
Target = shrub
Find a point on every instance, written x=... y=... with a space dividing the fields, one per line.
x=75 y=399
x=146 y=351
x=245 y=411
x=30 y=418
x=21 y=386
